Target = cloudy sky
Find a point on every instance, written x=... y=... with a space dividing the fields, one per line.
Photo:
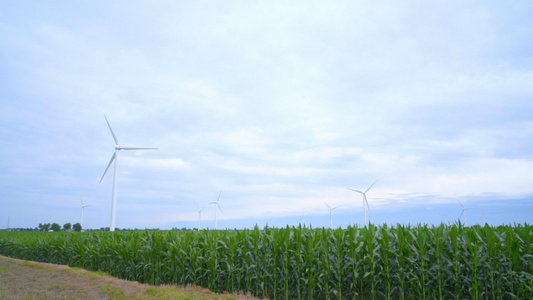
x=281 y=105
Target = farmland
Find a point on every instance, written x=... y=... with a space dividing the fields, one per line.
x=375 y=262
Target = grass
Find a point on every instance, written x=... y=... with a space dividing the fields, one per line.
x=116 y=293
x=29 y=264
x=59 y=286
x=175 y=293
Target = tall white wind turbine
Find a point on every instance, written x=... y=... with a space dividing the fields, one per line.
x=365 y=202
x=216 y=205
x=200 y=217
x=83 y=205
x=114 y=157
x=464 y=211
x=331 y=209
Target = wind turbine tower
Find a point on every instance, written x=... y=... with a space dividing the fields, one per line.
x=216 y=205
x=365 y=202
x=83 y=205
x=200 y=217
x=114 y=157
x=331 y=209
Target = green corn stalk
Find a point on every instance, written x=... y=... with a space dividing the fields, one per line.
x=378 y=262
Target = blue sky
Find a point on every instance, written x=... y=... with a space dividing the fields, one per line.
x=280 y=105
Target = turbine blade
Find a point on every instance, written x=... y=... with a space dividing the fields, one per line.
x=371 y=186
x=112 y=159
x=132 y=148
x=220 y=209
x=112 y=133
x=366 y=201
x=327 y=205
x=460 y=203
x=81 y=201
x=355 y=191
x=219 y=196
x=336 y=207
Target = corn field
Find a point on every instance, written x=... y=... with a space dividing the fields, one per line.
x=375 y=262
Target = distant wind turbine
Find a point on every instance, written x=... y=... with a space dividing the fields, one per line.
x=216 y=205
x=331 y=209
x=365 y=202
x=114 y=157
x=83 y=205
x=464 y=211
x=200 y=217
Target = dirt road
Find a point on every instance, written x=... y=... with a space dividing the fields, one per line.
x=33 y=280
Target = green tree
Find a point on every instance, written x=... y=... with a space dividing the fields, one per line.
x=76 y=227
x=67 y=226
x=44 y=227
x=55 y=227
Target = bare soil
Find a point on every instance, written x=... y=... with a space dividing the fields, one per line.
x=21 y=279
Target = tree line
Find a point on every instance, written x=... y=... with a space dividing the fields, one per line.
x=57 y=227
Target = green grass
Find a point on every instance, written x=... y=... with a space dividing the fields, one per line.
x=375 y=262
x=115 y=293
x=29 y=264
x=59 y=286
x=175 y=293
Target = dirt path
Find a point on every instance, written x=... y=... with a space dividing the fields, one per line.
x=21 y=279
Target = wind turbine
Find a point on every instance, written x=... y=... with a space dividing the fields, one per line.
x=216 y=205
x=83 y=205
x=331 y=209
x=464 y=211
x=199 y=217
x=114 y=157
x=365 y=202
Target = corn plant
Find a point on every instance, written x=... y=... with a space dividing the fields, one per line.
x=374 y=262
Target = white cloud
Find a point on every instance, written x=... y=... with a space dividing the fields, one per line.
x=286 y=104
x=158 y=163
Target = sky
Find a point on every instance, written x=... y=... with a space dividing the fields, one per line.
x=277 y=106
